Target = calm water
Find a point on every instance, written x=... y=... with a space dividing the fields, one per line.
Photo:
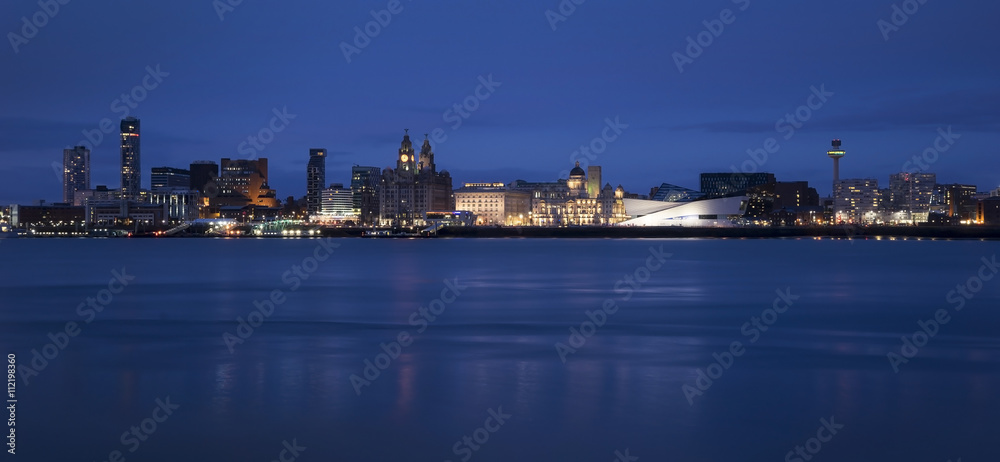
x=494 y=346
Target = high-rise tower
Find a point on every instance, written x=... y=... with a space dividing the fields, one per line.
x=131 y=173
x=315 y=180
x=76 y=171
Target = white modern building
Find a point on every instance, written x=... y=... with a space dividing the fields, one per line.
x=719 y=212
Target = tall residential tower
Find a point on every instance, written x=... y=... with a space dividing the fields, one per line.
x=76 y=171
x=131 y=173
x=315 y=181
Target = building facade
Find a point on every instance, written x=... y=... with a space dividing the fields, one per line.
x=856 y=201
x=912 y=195
x=337 y=204
x=494 y=204
x=76 y=172
x=365 y=184
x=732 y=184
x=131 y=171
x=315 y=181
x=167 y=178
x=414 y=187
x=203 y=174
x=243 y=182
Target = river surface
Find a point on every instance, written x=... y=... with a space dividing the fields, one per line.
x=462 y=349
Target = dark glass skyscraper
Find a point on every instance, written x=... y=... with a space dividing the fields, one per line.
x=131 y=172
x=365 y=182
x=76 y=171
x=203 y=175
x=315 y=181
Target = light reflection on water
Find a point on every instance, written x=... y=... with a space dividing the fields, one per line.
x=494 y=346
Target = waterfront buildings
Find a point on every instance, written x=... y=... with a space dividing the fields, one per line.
x=167 y=178
x=365 y=183
x=131 y=172
x=315 y=181
x=911 y=196
x=414 y=187
x=570 y=202
x=856 y=201
x=494 y=204
x=76 y=172
x=337 y=204
x=243 y=182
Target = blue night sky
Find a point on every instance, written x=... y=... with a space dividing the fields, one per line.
x=607 y=59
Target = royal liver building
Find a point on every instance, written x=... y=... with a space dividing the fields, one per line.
x=414 y=187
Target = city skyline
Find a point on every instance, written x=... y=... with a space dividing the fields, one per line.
x=544 y=89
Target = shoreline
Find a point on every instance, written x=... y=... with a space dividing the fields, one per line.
x=612 y=232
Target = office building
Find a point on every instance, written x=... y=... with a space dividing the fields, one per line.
x=76 y=171
x=337 y=204
x=130 y=159
x=732 y=184
x=365 y=183
x=243 y=182
x=167 y=178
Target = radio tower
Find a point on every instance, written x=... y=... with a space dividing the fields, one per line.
x=836 y=153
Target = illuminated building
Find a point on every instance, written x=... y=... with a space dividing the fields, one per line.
x=243 y=182
x=494 y=204
x=414 y=187
x=911 y=196
x=181 y=204
x=130 y=157
x=718 y=212
x=315 y=180
x=569 y=203
x=76 y=171
x=856 y=201
x=337 y=203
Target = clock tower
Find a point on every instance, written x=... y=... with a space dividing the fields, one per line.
x=407 y=160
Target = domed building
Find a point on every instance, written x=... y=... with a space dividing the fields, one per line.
x=577 y=182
